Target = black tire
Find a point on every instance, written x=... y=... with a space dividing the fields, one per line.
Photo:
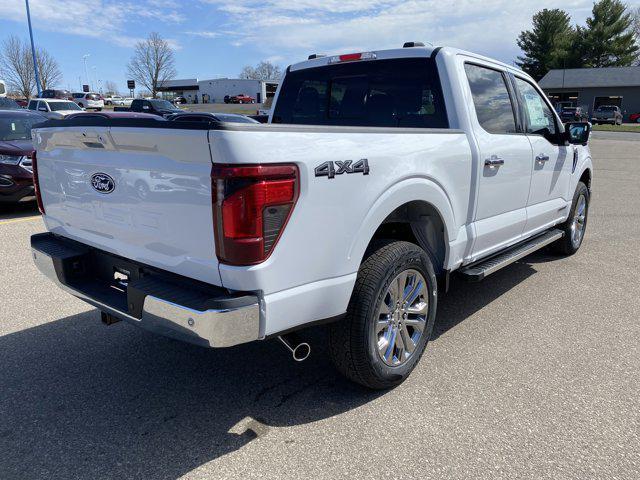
x=99 y=109
x=566 y=245
x=353 y=341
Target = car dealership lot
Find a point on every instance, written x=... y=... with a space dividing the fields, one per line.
x=532 y=374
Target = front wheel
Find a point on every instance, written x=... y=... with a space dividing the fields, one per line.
x=389 y=318
x=575 y=226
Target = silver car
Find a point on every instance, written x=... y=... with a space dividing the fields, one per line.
x=607 y=114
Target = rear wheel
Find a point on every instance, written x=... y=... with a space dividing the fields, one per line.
x=390 y=316
x=576 y=225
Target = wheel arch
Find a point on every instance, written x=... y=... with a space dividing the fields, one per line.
x=417 y=210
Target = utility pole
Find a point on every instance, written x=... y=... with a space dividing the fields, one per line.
x=33 y=51
x=86 y=72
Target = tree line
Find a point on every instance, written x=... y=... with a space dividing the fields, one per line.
x=610 y=38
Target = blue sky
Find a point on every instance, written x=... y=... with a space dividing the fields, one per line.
x=218 y=37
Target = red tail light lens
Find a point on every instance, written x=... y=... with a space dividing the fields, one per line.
x=251 y=207
x=36 y=182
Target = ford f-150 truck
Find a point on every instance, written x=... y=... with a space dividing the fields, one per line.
x=378 y=175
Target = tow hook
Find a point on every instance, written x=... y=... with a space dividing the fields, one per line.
x=299 y=349
x=108 y=319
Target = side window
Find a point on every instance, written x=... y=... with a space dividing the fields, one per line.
x=540 y=118
x=32 y=105
x=491 y=99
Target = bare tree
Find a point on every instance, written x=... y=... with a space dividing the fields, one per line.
x=16 y=66
x=47 y=68
x=111 y=88
x=263 y=71
x=152 y=63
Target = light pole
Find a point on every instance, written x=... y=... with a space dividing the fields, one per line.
x=33 y=51
x=86 y=72
x=95 y=79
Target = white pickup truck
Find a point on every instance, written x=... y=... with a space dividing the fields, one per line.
x=378 y=175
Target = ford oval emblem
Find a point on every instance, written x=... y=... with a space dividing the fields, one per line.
x=102 y=183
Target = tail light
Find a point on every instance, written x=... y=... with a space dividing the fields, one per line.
x=36 y=182
x=352 y=57
x=251 y=207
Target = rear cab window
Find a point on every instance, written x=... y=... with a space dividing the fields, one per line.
x=494 y=108
x=373 y=93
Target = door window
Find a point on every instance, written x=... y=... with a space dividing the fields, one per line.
x=540 y=118
x=491 y=99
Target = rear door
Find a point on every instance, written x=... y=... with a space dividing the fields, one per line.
x=504 y=172
x=552 y=160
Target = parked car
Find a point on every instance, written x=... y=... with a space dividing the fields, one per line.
x=53 y=108
x=634 y=118
x=607 y=114
x=3 y=89
x=127 y=101
x=16 y=148
x=7 y=103
x=384 y=173
x=154 y=106
x=89 y=101
x=572 y=114
x=59 y=94
x=241 y=98
x=210 y=117
x=179 y=100
x=114 y=100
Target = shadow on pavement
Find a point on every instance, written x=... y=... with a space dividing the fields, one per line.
x=10 y=211
x=83 y=400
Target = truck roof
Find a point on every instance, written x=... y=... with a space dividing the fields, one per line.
x=406 y=52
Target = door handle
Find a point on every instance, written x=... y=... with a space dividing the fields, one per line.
x=542 y=158
x=493 y=162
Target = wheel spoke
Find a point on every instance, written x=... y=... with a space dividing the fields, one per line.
x=416 y=323
x=420 y=308
x=399 y=346
x=414 y=292
x=381 y=325
x=409 y=344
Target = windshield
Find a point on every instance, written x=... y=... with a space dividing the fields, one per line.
x=375 y=93
x=163 y=105
x=18 y=128
x=7 y=103
x=234 y=118
x=57 y=106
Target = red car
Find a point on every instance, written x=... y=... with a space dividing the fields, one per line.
x=634 y=118
x=242 y=98
x=16 y=148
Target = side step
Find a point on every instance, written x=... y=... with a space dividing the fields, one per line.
x=477 y=271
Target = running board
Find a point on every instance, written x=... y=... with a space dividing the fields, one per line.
x=477 y=271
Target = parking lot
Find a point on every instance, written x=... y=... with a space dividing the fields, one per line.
x=532 y=373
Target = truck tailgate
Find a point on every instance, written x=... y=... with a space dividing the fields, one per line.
x=141 y=193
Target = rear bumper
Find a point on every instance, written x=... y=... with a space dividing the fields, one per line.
x=151 y=299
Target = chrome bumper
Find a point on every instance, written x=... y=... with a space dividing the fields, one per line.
x=218 y=327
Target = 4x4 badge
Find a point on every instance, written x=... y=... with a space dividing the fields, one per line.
x=331 y=169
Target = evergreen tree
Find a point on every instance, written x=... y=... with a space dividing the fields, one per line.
x=548 y=45
x=608 y=40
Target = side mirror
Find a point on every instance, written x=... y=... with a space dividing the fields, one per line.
x=577 y=133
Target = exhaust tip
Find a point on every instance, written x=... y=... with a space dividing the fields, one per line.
x=299 y=349
x=301 y=352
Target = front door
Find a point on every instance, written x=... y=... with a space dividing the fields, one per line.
x=505 y=161
x=549 y=195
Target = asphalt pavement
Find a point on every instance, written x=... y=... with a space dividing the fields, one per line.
x=532 y=374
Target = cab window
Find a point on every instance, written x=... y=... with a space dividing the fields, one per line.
x=491 y=99
x=540 y=118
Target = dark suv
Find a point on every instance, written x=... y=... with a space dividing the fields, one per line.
x=60 y=94
x=16 y=148
x=572 y=114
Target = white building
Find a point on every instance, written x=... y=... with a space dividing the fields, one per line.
x=214 y=90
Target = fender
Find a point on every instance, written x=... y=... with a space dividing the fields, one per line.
x=408 y=190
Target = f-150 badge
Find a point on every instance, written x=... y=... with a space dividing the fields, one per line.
x=331 y=169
